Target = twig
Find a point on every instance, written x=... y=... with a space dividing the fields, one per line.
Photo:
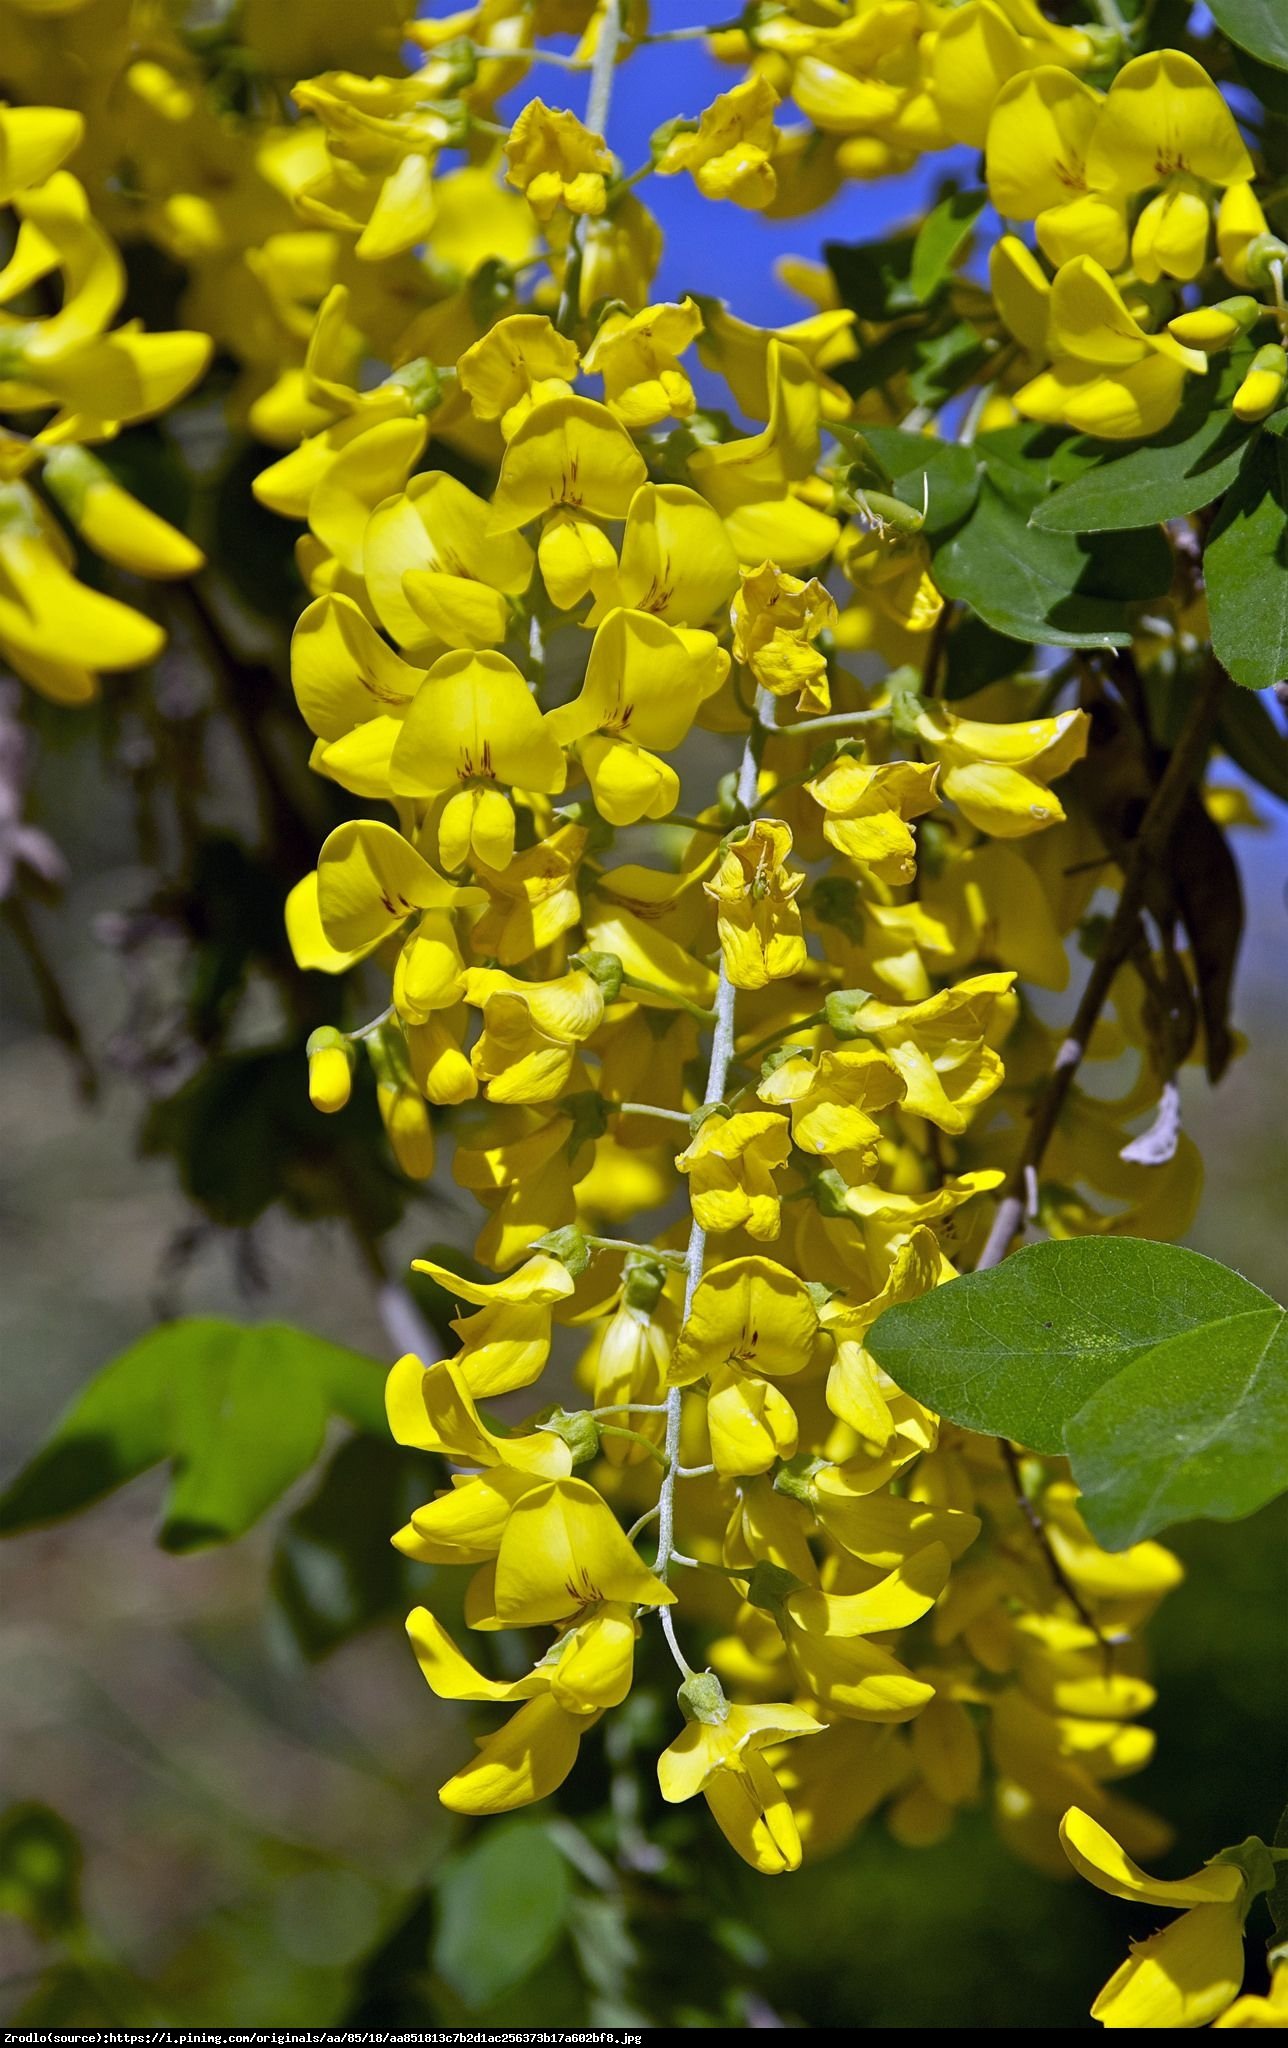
x=60 y=1021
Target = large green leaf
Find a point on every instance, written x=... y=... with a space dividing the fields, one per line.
x=237 y=1410
x=1144 y=483
x=1245 y=565
x=1162 y=1374
x=1059 y=590
x=502 y=1905
x=1258 y=26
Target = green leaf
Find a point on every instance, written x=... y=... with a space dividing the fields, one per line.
x=1055 y=589
x=1197 y=1426
x=1245 y=566
x=939 y=238
x=1254 y=741
x=1258 y=26
x=502 y=1906
x=237 y=1410
x=924 y=471
x=1162 y=1374
x=874 y=277
x=1144 y=483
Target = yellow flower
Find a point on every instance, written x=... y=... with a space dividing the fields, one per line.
x=524 y=1761
x=507 y=1343
x=827 y=1638
x=113 y=522
x=474 y=727
x=438 y=577
x=343 y=673
x=531 y=1031
x=939 y=1046
x=55 y=631
x=750 y=1314
x=677 y=560
x=750 y=1423
x=776 y=620
x=533 y=899
x=586 y=1670
x=730 y=1164
x=556 y=162
x=983 y=45
x=719 y=1753
x=637 y=354
x=730 y=151
x=1110 y=377
x=34 y=141
x=867 y=809
x=568 y=451
x=750 y=481
x=1000 y=775
x=370 y=880
x=562 y=1552
x=758 y=919
x=520 y=362
x=1187 y=1974
x=644 y=682
x=830 y=1095
x=1039 y=133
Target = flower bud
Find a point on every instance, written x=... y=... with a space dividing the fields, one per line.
x=1263 y=387
x=841 y=1010
x=330 y=1057
x=702 y=1698
x=1214 y=327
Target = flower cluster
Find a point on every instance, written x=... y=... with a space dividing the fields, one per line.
x=696 y=899
x=64 y=364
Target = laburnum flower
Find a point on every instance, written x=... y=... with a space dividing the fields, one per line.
x=369 y=881
x=827 y=1637
x=1165 y=125
x=757 y=916
x=507 y=1343
x=750 y=1423
x=586 y=1669
x=1190 y=1972
x=739 y=353
x=720 y=1753
x=1109 y=376
x=999 y=776
x=56 y=632
x=832 y=1096
x=730 y=1165
x=531 y=1031
x=677 y=560
x=751 y=1314
x=776 y=621
x=644 y=683
x=568 y=451
x=638 y=357
x=981 y=46
x=520 y=362
x=940 y=1047
x=867 y=808
x=533 y=900
x=112 y=521
x=562 y=1551
x=555 y=161
x=751 y=482
x=1039 y=133
x=627 y=1361
x=730 y=152
x=473 y=732
x=522 y=1166
x=436 y=574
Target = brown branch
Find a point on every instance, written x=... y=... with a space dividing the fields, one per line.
x=1148 y=848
